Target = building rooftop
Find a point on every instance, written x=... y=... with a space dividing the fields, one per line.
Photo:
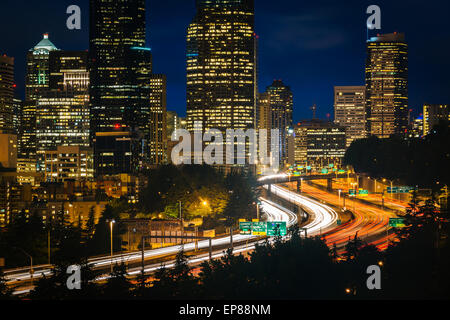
x=44 y=44
x=388 y=37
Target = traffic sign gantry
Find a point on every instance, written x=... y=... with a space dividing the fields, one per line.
x=275 y=229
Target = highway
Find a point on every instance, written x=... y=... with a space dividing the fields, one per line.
x=371 y=223
x=273 y=211
x=323 y=221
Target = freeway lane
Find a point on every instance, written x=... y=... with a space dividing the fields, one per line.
x=322 y=220
x=371 y=223
x=324 y=217
x=272 y=210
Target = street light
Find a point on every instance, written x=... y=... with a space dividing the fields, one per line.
x=31 y=263
x=257 y=210
x=111 y=224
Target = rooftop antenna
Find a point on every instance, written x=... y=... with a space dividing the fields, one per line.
x=314 y=108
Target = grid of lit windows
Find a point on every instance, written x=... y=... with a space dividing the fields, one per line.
x=387 y=85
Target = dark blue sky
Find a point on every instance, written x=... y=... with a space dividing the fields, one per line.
x=310 y=45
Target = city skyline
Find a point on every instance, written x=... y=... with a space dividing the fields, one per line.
x=245 y=149
x=312 y=66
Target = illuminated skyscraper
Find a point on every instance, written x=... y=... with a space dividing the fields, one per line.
x=38 y=74
x=120 y=65
x=432 y=114
x=27 y=135
x=17 y=115
x=279 y=98
x=350 y=111
x=387 y=85
x=158 y=119
x=61 y=120
x=221 y=65
x=120 y=69
x=6 y=94
x=174 y=123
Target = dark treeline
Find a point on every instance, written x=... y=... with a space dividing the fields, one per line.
x=29 y=235
x=203 y=191
x=414 y=267
x=423 y=162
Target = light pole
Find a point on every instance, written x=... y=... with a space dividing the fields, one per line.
x=111 y=224
x=392 y=191
x=48 y=247
x=257 y=211
x=181 y=220
x=31 y=263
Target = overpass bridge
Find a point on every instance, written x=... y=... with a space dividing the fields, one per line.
x=284 y=178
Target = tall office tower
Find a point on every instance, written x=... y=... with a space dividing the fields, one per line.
x=158 y=119
x=61 y=120
x=264 y=112
x=27 y=136
x=6 y=94
x=68 y=71
x=120 y=65
x=62 y=113
x=173 y=124
x=38 y=74
x=17 y=115
x=387 y=85
x=221 y=66
x=433 y=114
x=280 y=100
x=350 y=111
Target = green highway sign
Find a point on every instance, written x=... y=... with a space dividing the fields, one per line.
x=245 y=228
x=325 y=171
x=308 y=168
x=259 y=228
x=341 y=171
x=271 y=229
x=405 y=189
x=352 y=192
x=331 y=165
x=363 y=192
x=276 y=229
x=399 y=189
x=396 y=222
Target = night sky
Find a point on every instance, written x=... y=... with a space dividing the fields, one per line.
x=310 y=45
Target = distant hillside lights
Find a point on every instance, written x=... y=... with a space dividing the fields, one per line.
x=74 y=20
x=235 y=140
